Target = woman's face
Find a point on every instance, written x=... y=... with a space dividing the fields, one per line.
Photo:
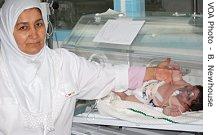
x=29 y=31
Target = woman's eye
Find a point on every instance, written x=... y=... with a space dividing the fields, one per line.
x=23 y=28
x=39 y=24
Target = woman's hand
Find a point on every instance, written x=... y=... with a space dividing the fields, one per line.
x=168 y=71
x=168 y=75
x=176 y=75
x=164 y=64
x=163 y=74
x=168 y=64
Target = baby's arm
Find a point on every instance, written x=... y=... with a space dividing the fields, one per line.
x=132 y=98
x=122 y=95
x=126 y=97
x=172 y=111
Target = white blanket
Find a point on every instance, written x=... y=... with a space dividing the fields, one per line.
x=113 y=106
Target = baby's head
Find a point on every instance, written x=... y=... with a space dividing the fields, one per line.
x=191 y=97
x=197 y=104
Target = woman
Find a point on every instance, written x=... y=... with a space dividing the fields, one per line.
x=39 y=86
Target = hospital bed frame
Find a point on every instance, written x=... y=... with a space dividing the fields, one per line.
x=96 y=118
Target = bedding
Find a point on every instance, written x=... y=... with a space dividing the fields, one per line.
x=135 y=112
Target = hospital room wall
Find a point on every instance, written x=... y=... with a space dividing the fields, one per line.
x=69 y=11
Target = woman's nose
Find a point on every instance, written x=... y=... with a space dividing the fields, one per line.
x=33 y=33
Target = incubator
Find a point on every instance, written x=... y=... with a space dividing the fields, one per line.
x=163 y=35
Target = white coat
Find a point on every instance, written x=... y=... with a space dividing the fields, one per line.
x=38 y=92
x=76 y=79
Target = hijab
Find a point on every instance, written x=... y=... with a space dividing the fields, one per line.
x=30 y=78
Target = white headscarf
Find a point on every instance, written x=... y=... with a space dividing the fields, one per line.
x=28 y=77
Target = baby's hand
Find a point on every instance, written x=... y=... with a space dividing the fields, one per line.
x=172 y=111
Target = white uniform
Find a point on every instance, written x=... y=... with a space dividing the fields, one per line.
x=38 y=92
x=76 y=79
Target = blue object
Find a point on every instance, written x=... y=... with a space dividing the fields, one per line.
x=117 y=5
x=132 y=8
x=61 y=35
